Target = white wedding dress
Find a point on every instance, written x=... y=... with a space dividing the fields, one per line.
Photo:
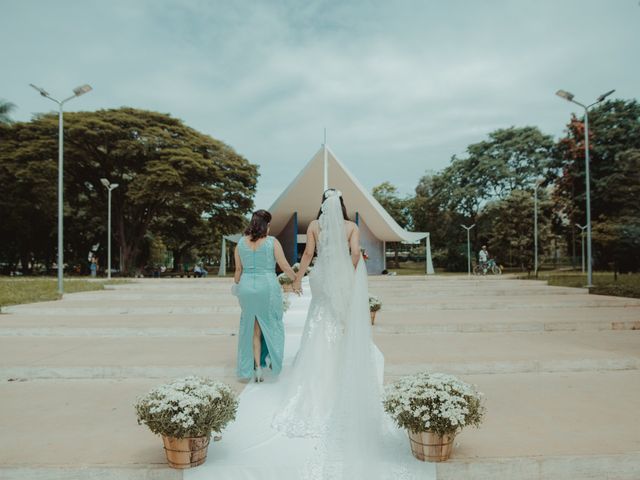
x=337 y=362
x=323 y=419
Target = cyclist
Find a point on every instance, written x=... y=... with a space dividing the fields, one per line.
x=483 y=259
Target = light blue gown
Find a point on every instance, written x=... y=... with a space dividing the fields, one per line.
x=260 y=298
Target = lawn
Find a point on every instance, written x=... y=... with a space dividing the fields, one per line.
x=14 y=291
x=604 y=283
x=415 y=268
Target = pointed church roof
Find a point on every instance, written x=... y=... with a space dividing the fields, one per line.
x=304 y=193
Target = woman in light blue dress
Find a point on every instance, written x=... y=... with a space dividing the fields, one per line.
x=261 y=335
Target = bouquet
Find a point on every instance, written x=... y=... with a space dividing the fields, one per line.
x=286 y=303
x=283 y=279
x=375 y=303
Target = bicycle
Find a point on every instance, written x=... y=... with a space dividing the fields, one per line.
x=490 y=266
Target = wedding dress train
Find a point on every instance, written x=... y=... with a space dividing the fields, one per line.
x=323 y=418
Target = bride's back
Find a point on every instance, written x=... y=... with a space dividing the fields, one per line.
x=314 y=229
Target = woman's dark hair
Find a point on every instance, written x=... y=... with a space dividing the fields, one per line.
x=259 y=225
x=344 y=209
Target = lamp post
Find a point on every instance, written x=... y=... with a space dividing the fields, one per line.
x=468 y=229
x=569 y=97
x=110 y=187
x=81 y=90
x=535 y=227
x=582 y=227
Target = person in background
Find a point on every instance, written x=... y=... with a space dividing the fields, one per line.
x=93 y=266
x=483 y=258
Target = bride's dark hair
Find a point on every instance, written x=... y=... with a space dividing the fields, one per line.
x=324 y=197
x=259 y=225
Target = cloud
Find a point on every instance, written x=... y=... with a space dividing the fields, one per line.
x=400 y=86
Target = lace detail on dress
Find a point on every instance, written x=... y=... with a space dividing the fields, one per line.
x=321 y=319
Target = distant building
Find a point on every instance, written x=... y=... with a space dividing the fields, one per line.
x=299 y=204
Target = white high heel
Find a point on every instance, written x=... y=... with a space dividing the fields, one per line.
x=267 y=362
x=258 y=375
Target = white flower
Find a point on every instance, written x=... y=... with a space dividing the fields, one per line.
x=432 y=400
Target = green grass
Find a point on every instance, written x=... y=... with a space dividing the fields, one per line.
x=14 y=291
x=415 y=268
x=604 y=283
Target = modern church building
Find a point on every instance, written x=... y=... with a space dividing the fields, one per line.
x=300 y=202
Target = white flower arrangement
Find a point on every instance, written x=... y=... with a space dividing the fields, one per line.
x=434 y=402
x=284 y=279
x=188 y=407
x=286 y=303
x=375 y=303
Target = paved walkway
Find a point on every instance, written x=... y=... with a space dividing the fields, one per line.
x=560 y=370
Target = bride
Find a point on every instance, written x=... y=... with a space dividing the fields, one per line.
x=326 y=408
x=334 y=390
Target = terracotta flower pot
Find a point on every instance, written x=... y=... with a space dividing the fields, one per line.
x=373 y=316
x=186 y=452
x=431 y=447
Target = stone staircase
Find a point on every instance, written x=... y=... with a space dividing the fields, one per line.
x=560 y=370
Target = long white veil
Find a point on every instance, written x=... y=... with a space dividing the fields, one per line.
x=353 y=439
x=333 y=271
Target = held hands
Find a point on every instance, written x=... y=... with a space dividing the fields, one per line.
x=297 y=286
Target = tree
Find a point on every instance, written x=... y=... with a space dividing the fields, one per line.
x=433 y=212
x=511 y=159
x=387 y=195
x=399 y=208
x=165 y=170
x=28 y=201
x=511 y=227
x=614 y=142
x=5 y=109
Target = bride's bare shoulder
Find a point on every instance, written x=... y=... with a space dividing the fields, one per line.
x=313 y=225
x=351 y=225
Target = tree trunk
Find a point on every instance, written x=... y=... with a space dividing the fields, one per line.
x=24 y=260
x=129 y=254
x=129 y=250
x=177 y=259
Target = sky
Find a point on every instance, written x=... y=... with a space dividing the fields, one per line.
x=400 y=86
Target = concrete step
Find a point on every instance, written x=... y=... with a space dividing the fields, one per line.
x=495 y=353
x=228 y=305
x=538 y=426
x=508 y=320
x=486 y=353
x=512 y=302
x=552 y=426
x=391 y=322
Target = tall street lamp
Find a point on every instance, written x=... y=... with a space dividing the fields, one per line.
x=468 y=229
x=535 y=226
x=569 y=97
x=582 y=227
x=81 y=90
x=110 y=187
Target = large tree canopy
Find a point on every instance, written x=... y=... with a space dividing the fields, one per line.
x=169 y=175
x=614 y=149
x=510 y=160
